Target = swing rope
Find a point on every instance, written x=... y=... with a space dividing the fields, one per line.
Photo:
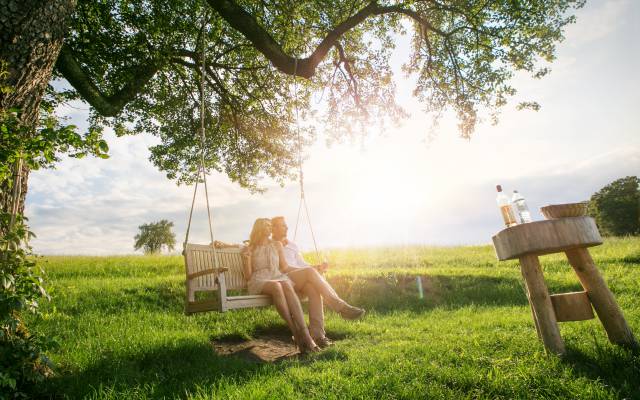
x=303 y=199
x=201 y=167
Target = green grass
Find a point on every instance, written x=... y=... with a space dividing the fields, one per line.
x=122 y=333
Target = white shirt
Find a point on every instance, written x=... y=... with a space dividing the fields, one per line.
x=292 y=255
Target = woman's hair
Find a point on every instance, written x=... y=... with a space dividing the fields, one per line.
x=259 y=231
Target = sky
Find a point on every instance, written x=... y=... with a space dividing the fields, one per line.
x=401 y=187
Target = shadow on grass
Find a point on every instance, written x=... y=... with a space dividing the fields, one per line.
x=384 y=294
x=627 y=259
x=616 y=367
x=635 y=259
x=271 y=329
x=163 y=372
x=391 y=293
x=174 y=371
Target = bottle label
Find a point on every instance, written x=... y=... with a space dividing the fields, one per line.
x=522 y=211
x=525 y=216
x=508 y=215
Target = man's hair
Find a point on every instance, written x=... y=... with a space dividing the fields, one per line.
x=277 y=219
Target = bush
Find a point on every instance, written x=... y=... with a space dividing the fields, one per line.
x=22 y=362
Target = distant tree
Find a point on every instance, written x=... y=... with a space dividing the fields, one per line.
x=154 y=235
x=616 y=207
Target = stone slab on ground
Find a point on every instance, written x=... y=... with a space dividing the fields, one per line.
x=266 y=348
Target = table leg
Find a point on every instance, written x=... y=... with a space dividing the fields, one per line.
x=602 y=299
x=545 y=317
x=533 y=314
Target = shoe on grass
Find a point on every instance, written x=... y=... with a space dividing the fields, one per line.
x=351 y=312
x=323 y=342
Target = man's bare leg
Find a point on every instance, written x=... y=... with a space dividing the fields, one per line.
x=309 y=276
x=304 y=276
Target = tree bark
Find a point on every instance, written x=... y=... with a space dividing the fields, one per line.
x=31 y=35
x=106 y=105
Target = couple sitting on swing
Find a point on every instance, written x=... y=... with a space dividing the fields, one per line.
x=274 y=266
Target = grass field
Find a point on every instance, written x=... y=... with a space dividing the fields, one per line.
x=122 y=333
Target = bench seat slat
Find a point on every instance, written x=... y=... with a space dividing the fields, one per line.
x=234 y=302
x=249 y=297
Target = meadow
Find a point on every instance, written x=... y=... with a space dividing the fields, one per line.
x=121 y=331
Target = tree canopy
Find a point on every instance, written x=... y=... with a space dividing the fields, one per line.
x=137 y=64
x=616 y=207
x=154 y=235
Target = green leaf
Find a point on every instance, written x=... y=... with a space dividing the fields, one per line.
x=104 y=147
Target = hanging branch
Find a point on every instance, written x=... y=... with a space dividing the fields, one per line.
x=353 y=83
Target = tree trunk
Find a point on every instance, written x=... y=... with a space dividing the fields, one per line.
x=31 y=34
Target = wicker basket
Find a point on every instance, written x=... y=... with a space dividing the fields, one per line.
x=555 y=211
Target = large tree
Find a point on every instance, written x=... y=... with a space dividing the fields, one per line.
x=616 y=207
x=136 y=63
x=154 y=235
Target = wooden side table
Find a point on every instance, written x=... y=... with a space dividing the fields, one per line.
x=572 y=236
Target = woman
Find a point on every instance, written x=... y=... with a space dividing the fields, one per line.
x=265 y=269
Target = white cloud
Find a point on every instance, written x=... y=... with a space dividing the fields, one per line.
x=598 y=20
x=397 y=191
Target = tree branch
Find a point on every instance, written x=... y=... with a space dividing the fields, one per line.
x=197 y=58
x=247 y=24
x=353 y=83
x=411 y=14
x=107 y=106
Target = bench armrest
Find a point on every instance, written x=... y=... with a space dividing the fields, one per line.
x=216 y=271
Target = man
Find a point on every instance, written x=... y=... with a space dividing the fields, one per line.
x=305 y=286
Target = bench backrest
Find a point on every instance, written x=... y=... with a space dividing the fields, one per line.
x=200 y=258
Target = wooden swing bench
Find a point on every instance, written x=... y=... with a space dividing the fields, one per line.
x=203 y=276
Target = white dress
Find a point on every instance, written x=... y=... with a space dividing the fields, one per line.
x=265 y=265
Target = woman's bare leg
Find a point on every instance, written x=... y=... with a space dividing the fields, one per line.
x=316 y=312
x=274 y=289
x=296 y=312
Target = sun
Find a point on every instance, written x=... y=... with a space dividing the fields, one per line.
x=388 y=188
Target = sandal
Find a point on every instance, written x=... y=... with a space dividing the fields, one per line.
x=298 y=339
x=304 y=348
x=323 y=342
x=351 y=312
